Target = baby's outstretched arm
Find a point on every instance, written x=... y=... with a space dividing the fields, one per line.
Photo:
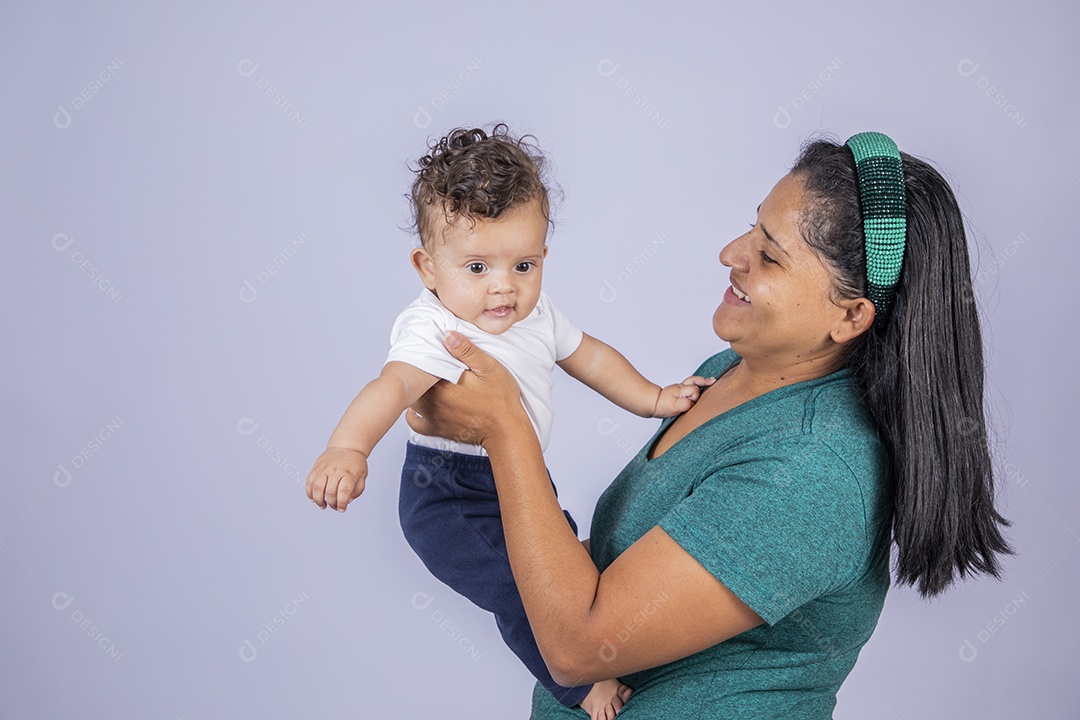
x=605 y=370
x=339 y=473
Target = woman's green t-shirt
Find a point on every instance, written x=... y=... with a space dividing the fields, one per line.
x=785 y=500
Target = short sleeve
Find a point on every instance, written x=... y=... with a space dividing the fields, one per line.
x=567 y=335
x=417 y=339
x=779 y=531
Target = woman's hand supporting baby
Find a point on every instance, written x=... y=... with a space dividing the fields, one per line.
x=572 y=607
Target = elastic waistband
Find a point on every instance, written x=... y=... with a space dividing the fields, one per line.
x=446 y=459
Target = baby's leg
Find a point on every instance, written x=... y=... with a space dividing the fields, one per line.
x=605 y=699
x=450 y=515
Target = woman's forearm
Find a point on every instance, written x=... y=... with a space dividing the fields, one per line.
x=554 y=573
x=574 y=610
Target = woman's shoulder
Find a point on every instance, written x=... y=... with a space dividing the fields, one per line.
x=837 y=423
x=835 y=413
x=825 y=415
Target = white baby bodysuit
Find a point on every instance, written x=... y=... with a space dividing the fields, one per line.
x=529 y=349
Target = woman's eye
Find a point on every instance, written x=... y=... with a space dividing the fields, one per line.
x=765 y=257
x=475 y=268
x=524 y=267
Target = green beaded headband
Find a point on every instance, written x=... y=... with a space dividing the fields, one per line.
x=884 y=208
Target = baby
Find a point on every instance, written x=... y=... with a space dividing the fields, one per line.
x=482 y=214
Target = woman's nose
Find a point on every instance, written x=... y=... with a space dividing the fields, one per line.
x=729 y=254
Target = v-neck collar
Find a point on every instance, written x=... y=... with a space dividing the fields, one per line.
x=740 y=409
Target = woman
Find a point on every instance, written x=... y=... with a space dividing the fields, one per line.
x=740 y=561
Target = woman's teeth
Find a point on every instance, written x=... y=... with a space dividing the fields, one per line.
x=741 y=296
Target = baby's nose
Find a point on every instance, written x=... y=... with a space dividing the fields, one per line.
x=501 y=283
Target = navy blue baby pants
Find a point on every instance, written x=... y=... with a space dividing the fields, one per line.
x=450 y=515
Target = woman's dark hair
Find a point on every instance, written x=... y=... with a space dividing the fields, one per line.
x=476 y=175
x=920 y=368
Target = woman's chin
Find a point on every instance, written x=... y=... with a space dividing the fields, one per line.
x=721 y=325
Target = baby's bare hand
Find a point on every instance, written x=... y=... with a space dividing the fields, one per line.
x=337 y=478
x=675 y=399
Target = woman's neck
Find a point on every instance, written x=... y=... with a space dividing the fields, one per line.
x=748 y=379
x=756 y=376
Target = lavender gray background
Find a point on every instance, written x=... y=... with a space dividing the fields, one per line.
x=200 y=207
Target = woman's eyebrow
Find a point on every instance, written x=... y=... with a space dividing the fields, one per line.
x=770 y=238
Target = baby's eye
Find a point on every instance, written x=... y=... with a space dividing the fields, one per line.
x=524 y=267
x=476 y=268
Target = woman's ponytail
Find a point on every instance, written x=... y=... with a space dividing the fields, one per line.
x=921 y=370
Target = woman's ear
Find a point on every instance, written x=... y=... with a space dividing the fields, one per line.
x=857 y=319
x=425 y=267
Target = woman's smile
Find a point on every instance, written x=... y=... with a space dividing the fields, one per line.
x=739 y=292
x=734 y=297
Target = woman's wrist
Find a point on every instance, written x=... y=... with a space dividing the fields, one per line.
x=509 y=431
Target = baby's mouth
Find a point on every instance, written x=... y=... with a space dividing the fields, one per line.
x=500 y=312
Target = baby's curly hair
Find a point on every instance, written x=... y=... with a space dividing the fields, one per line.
x=476 y=175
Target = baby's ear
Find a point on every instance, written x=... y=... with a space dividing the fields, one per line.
x=425 y=266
